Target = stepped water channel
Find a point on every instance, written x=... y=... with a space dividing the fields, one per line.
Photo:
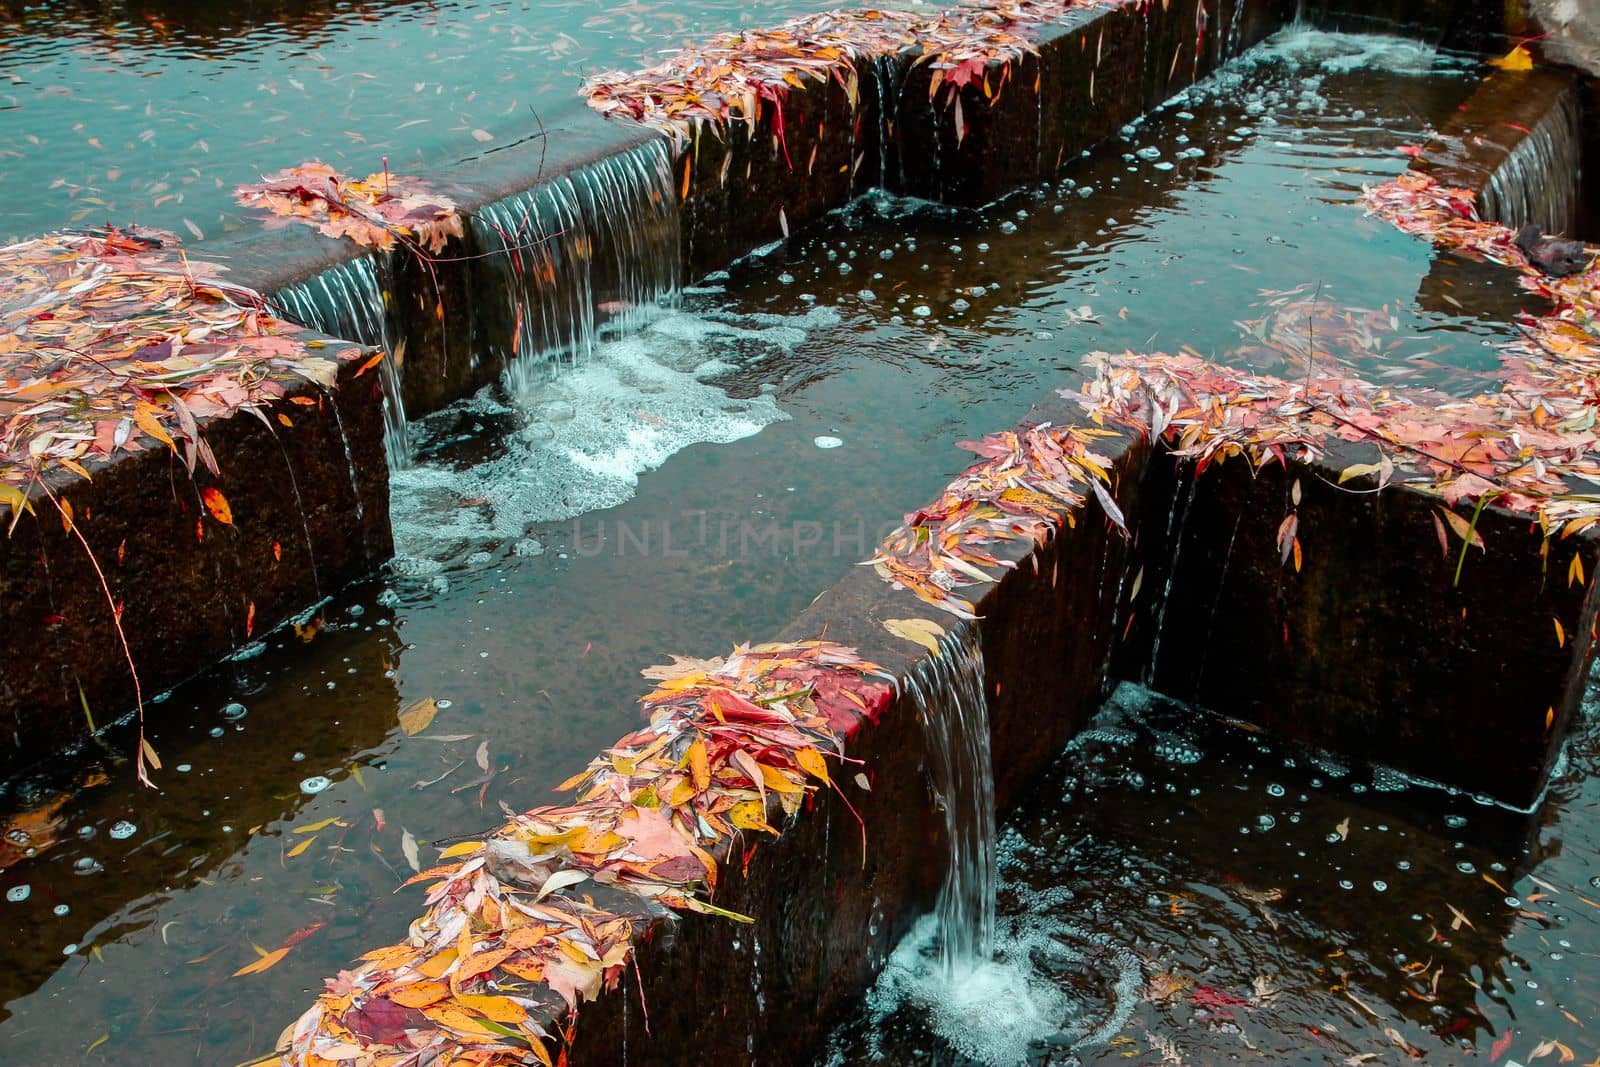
x=558 y=535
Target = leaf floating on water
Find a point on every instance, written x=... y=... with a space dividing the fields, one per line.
x=408 y=848
x=924 y=632
x=267 y=961
x=415 y=716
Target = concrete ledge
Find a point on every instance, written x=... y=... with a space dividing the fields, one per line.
x=1369 y=650
x=310 y=506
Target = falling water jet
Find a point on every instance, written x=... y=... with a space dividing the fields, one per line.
x=1538 y=179
x=986 y=988
x=949 y=695
x=583 y=253
x=347 y=302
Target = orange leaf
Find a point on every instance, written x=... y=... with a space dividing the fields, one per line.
x=217 y=504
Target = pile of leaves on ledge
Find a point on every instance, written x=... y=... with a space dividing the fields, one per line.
x=115 y=341
x=1532 y=445
x=376 y=211
x=734 y=76
x=1026 y=486
x=520 y=923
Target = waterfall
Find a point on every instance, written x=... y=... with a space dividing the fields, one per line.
x=1538 y=180
x=347 y=302
x=948 y=690
x=595 y=249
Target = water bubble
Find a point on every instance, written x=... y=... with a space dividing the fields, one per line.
x=922 y=311
x=959 y=305
x=1275 y=790
x=1008 y=227
x=1149 y=153
x=216 y=731
x=18 y=893
x=315 y=784
x=824 y=441
x=87 y=865
x=61 y=910
x=297 y=757
x=1163 y=165
x=1086 y=191
x=1345 y=883
x=184 y=768
x=1456 y=822
x=1265 y=822
x=234 y=711
x=1513 y=902
x=69 y=950
x=1380 y=886
x=844 y=268
x=1466 y=867
x=1332 y=838
x=788 y=279
x=122 y=830
x=85 y=832
x=444 y=704
x=1404 y=865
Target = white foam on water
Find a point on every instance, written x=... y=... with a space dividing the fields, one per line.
x=587 y=434
x=1001 y=1011
x=1341 y=53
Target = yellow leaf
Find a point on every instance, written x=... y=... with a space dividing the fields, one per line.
x=1575 y=571
x=145 y=416
x=415 y=716
x=750 y=815
x=1356 y=470
x=266 y=962
x=302 y=846
x=779 y=782
x=16 y=499
x=500 y=1009
x=311 y=828
x=420 y=994
x=699 y=766
x=1519 y=58
x=1561 y=634
x=924 y=632
x=812 y=763
x=460 y=848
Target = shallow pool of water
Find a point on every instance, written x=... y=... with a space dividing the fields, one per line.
x=153 y=112
x=696 y=484
x=1271 y=904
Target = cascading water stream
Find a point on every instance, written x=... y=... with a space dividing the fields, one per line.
x=987 y=987
x=594 y=250
x=948 y=692
x=347 y=302
x=1538 y=180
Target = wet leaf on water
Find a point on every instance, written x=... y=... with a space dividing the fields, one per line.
x=302 y=846
x=415 y=716
x=267 y=961
x=408 y=847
